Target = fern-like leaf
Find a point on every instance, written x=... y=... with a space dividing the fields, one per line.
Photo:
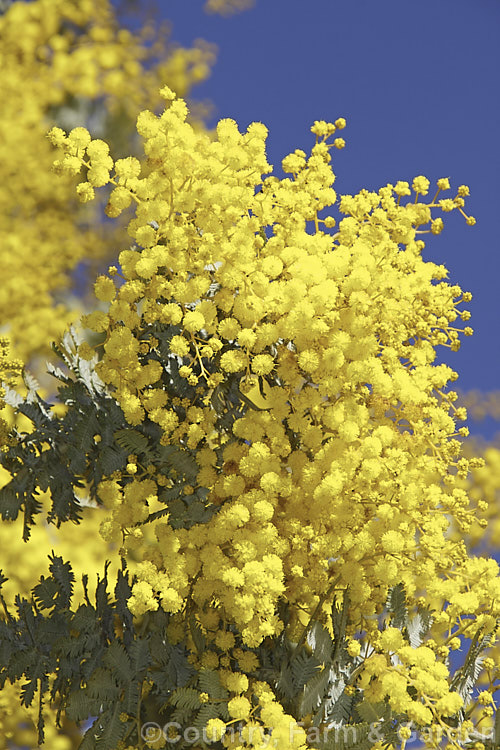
x=109 y=730
x=304 y=667
x=117 y=661
x=465 y=678
x=209 y=682
x=131 y=441
x=396 y=606
x=186 y=697
x=418 y=626
x=320 y=641
x=314 y=691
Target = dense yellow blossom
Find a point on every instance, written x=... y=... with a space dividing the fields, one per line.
x=348 y=476
x=62 y=59
x=9 y=371
x=483 y=489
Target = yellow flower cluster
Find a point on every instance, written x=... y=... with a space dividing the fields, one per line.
x=259 y=715
x=418 y=668
x=9 y=371
x=62 y=59
x=349 y=470
x=483 y=488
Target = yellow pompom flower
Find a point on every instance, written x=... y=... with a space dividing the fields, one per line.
x=104 y=289
x=233 y=361
x=179 y=345
x=215 y=729
x=354 y=648
x=420 y=185
x=239 y=708
x=85 y=192
x=262 y=364
x=193 y=321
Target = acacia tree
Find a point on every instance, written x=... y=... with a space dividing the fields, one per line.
x=277 y=455
x=64 y=63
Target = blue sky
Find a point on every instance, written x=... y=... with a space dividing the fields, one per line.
x=418 y=85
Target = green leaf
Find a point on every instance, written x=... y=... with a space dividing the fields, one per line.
x=111 y=460
x=466 y=677
x=10 y=503
x=89 y=740
x=117 y=661
x=314 y=692
x=209 y=682
x=131 y=441
x=64 y=577
x=396 y=606
x=417 y=627
x=337 y=704
x=197 y=635
x=45 y=593
x=140 y=657
x=109 y=729
x=321 y=643
x=123 y=592
x=285 y=683
x=186 y=697
x=80 y=705
x=304 y=667
x=371 y=712
x=28 y=691
x=103 y=686
x=207 y=712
